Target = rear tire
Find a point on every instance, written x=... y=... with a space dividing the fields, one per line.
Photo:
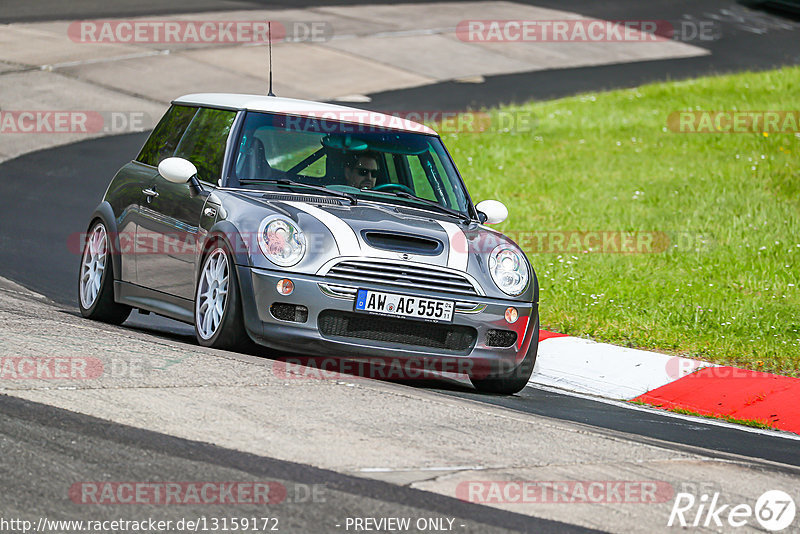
x=218 y=316
x=515 y=380
x=96 y=279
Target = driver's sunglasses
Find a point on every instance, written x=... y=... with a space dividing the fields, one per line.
x=373 y=173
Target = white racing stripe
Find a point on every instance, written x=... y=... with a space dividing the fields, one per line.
x=345 y=237
x=458 y=253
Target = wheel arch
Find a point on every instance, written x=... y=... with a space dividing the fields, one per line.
x=229 y=234
x=105 y=214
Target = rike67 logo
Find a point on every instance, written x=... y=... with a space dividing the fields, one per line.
x=774 y=510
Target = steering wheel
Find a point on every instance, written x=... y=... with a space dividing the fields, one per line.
x=390 y=186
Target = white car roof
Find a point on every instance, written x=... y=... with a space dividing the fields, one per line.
x=303 y=108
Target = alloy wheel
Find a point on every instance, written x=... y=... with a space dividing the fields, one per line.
x=93 y=265
x=212 y=293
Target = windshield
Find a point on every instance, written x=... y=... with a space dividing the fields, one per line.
x=364 y=161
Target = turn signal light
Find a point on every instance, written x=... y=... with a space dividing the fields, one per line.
x=285 y=286
x=511 y=315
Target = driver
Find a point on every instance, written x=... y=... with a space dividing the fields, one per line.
x=361 y=170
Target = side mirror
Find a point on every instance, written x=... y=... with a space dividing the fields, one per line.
x=494 y=211
x=177 y=170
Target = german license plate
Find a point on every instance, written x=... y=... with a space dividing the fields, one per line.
x=404 y=306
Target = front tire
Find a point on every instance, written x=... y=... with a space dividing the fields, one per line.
x=96 y=279
x=515 y=380
x=218 y=317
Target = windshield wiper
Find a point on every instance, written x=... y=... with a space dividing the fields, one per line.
x=443 y=209
x=291 y=183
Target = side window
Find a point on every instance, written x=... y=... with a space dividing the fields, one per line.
x=391 y=167
x=204 y=142
x=316 y=169
x=285 y=151
x=166 y=135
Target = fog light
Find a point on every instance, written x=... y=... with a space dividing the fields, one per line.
x=289 y=312
x=511 y=315
x=286 y=286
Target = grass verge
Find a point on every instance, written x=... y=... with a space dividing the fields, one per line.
x=753 y=423
x=721 y=284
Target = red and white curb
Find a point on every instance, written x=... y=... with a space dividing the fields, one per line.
x=600 y=369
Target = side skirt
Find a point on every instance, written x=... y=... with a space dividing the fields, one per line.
x=154 y=301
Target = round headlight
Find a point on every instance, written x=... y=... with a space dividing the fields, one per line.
x=281 y=241
x=509 y=270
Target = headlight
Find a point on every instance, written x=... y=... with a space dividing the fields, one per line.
x=509 y=270
x=281 y=241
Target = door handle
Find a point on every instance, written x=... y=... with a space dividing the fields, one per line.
x=150 y=192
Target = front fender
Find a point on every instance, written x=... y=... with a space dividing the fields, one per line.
x=232 y=237
x=227 y=232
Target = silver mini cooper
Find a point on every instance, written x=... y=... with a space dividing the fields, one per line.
x=316 y=229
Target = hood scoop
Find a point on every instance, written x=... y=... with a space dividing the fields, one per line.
x=400 y=242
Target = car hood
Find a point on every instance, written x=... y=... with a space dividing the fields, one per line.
x=376 y=230
x=384 y=231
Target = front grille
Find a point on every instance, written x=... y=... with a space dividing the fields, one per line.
x=393 y=331
x=403 y=275
x=500 y=338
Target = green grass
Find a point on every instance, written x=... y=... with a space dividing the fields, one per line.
x=754 y=423
x=607 y=162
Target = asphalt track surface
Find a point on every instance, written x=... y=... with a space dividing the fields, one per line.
x=46 y=197
x=744 y=40
x=52 y=445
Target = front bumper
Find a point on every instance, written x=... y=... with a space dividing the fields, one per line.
x=331 y=302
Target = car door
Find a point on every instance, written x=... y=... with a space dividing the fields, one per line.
x=171 y=213
x=140 y=175
x=124 y=196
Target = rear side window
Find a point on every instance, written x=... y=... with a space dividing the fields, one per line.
x=167 y=134
x=204 y=141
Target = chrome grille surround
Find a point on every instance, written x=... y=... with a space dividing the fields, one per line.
x=401 y=274
x=349 y=293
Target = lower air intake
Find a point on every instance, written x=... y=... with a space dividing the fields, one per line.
x=392 y=331
x=289 y=312
x=500 y=338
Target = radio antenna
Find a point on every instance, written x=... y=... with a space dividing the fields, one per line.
x=269 y=36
